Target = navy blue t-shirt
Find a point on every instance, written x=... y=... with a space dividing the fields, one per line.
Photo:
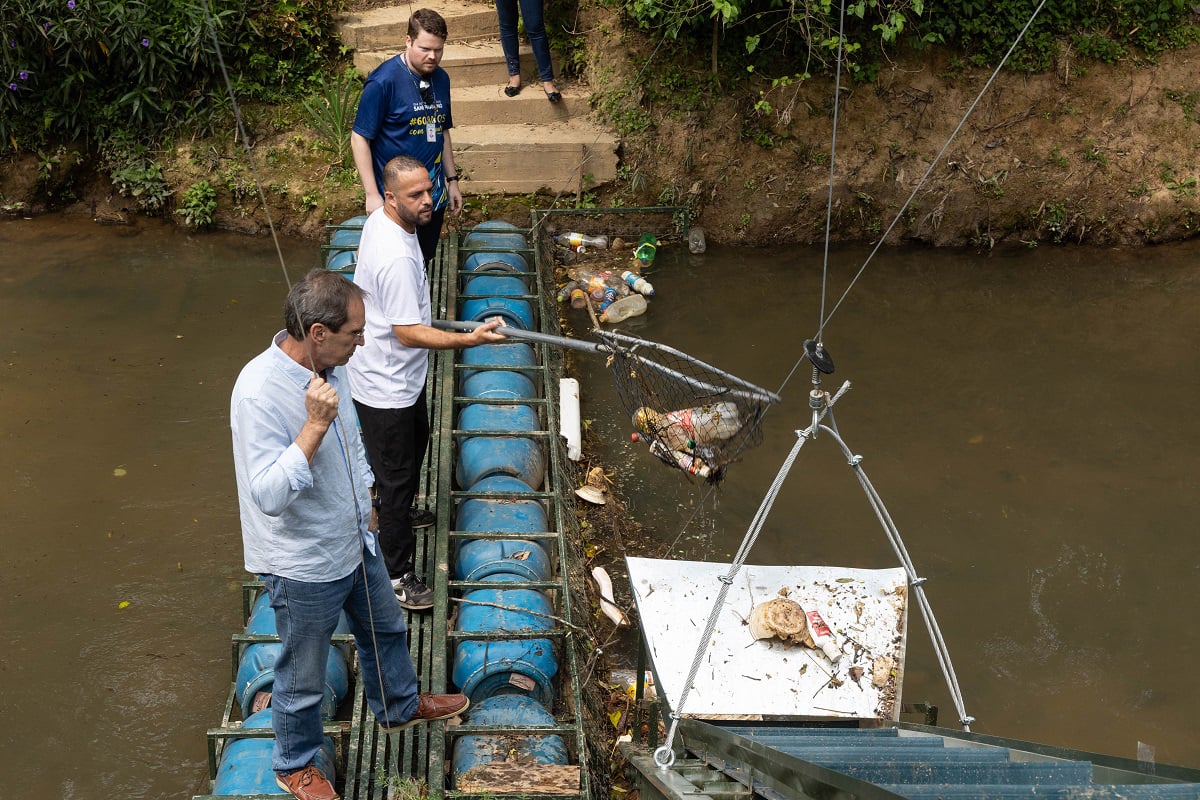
x=397 y=120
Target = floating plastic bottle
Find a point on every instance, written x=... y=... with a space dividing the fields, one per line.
x=689 y=428
x=685 y=461
x=696 y=240
x=579 y=241
x=624 y=308
x=565 y=292
x=578 y=298
x=637 y=283
x=647 y=246
x=610 y=297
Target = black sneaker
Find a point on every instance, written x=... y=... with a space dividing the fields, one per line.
x=412 y=592
x=420 y=518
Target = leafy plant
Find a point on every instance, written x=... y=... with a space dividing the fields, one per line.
x=331 y=114
x=86 y=69
x=199 y=205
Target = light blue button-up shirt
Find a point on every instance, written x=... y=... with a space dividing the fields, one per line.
x=299 y=521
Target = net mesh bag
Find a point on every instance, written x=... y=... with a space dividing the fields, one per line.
x=694 y=417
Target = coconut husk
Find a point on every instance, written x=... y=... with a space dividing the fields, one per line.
x=780 y=618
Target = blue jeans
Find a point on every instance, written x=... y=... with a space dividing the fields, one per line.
x=305 y=616
x=533 y=13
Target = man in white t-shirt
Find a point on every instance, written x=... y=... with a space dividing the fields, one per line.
x=387 y=374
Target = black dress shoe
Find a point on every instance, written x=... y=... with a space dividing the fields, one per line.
x=554 y=97
x=512 y=91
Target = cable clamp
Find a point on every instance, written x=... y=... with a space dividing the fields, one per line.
x=917 y=581
x=725 y=579
x=967 y=721
x=855 y=461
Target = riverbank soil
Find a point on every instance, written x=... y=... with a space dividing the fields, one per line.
x=1104 y=154
x=1086 y=153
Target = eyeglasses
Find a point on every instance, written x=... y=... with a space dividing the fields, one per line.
x=426 y=91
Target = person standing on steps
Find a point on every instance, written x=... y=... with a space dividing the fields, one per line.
x=308 y=531
x=405 y=110
x=387 y=375
x=534 y=13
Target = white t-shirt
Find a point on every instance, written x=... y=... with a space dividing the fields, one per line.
x=384 y=373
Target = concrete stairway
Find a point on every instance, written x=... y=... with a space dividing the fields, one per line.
x=511 y=145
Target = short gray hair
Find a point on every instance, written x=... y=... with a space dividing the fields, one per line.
x=320 y=296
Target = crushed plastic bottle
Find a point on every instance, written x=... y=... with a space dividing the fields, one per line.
x=685 y=461
x=696 y=242
x=624 y=308
x=690 y=428
x=579 y=241
x=565 y=291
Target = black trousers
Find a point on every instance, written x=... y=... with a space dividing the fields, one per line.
x=428 y=235
x=396 y=440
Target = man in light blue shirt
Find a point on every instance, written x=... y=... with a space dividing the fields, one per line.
x=308 y=529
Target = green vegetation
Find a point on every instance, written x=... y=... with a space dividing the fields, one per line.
x=772 y=37
x=331 y=115
x=199 y=205
x=86 y=70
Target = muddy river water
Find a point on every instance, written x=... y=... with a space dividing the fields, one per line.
x=1028 y=417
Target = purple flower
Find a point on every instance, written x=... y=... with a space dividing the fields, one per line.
x=23 y=75
x=71 y=4
x=12 y=42
x=12 y=86
x=145 y=42
x=45 y=26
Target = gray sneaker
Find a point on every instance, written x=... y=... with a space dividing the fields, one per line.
x=412 y=592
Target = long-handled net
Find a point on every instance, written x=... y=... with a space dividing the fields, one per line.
x=693 y=416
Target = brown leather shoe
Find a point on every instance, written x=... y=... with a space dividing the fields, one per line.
x=431 y=707
x=307 y=784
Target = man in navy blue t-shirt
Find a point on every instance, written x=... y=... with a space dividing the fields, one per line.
x=405 y=110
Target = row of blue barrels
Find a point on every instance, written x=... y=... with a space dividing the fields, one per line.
x=510 y=681
x=245 y=765
x=341 y=253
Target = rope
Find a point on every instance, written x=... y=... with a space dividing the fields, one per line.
x=339 y=428
x=837 y=97
x=932 y=164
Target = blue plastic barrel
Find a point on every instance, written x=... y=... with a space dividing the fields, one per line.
x=527 y=667
x=492 y=285
x=496 y=559
x=477 y=751
x=349 y=232
x=245 y=766
x=514 y=313
x=256 y=673
x=502 y=609
x=343 y=261
x=495 y=235
x=499 y=354
x=495 y=262
x=508 y=515
x=481 y=456
x=498 y=384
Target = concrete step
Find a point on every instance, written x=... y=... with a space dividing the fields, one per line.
x=565 y=156
x=385 y=28
x=488 y=105
x=478 y=63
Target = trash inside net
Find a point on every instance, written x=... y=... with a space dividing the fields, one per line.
x=692 y=416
